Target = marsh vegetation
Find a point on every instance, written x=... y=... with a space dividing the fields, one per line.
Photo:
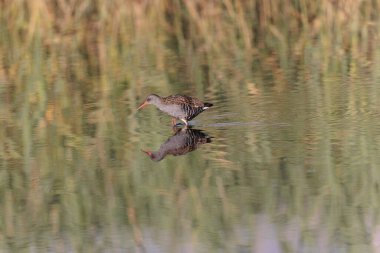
x=295 y=126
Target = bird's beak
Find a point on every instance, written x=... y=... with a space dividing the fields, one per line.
x=142 y=105
x=147 y=152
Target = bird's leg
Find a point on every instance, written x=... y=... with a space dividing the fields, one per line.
x=173 y=122
x=174 y=126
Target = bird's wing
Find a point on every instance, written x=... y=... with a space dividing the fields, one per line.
x=182 y=99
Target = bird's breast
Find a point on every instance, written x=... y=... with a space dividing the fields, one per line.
x=173 y=110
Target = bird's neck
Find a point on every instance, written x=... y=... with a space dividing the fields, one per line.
x=158 y=102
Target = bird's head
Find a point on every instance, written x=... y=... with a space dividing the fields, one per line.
x=151 y=99
x=153 y=155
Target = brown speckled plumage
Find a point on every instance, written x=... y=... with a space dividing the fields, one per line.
x=180 y=107
x=182 y=99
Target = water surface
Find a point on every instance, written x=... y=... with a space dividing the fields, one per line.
x=287 y=159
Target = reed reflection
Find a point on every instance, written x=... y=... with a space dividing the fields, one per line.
x=183 y=141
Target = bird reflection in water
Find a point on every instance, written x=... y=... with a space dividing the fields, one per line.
x=183 y=141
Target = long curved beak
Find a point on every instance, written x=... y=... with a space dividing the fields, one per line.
x=142 y=105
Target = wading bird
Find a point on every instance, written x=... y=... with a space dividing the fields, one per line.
x=180 y=107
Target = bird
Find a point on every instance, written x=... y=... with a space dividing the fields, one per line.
x=180 y=107
x=183 y=141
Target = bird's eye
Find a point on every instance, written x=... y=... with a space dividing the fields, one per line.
x=148 y=99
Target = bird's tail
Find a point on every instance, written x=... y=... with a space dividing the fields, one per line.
x=207 y=105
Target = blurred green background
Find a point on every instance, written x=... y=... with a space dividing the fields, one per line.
x=293 y=165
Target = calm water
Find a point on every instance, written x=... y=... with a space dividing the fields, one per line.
x=287 y=160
